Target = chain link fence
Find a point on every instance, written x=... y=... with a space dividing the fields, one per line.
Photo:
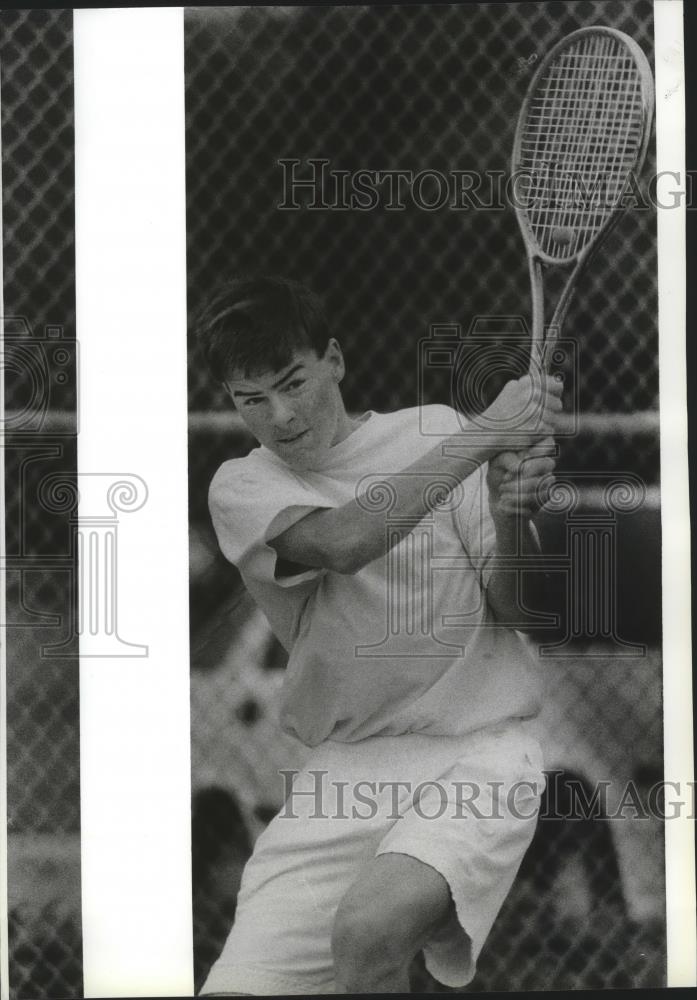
x=39 y=372
x=422 y=88
x=396 y=89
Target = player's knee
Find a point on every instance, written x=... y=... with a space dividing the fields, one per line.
x=366 y=932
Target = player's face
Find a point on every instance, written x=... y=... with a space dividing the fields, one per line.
x=296 y=412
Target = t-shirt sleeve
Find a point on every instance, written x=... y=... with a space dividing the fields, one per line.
x=475 y=524
x=251 y=505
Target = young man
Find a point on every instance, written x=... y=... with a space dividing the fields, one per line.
x=382 y=549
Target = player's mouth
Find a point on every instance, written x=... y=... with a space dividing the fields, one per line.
x=295 y=437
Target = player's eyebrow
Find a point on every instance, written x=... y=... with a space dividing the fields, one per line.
x=282 y=379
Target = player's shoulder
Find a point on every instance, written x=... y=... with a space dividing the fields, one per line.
x=431 y=418
x=238 y=477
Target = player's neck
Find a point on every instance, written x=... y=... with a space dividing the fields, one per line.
x=346 y=425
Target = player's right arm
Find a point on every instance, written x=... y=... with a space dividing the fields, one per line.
x=345 y=539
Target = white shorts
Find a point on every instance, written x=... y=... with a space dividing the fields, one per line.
x=466 y=805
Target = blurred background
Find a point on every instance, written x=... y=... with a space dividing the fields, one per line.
x=414 y=88
x=43 y=791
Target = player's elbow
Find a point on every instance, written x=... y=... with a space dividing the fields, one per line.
x=349 y=554
x=345 y=560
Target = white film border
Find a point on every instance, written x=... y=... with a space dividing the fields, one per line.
x=131 y=318
x=675 y=510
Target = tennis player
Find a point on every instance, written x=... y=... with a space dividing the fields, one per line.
x=408 y=675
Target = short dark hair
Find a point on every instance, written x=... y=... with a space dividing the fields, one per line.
x=256 y=324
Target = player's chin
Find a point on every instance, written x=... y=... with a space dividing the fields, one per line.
x=292 y=447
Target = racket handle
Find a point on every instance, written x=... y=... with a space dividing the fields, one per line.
x=538 y=359
x=539 y=362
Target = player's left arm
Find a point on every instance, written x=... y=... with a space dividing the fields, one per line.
x=518 y=484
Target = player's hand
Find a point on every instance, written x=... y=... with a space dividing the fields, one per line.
x=526 y=411
x=519 y=482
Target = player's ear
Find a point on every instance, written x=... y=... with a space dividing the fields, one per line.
x=334 y=357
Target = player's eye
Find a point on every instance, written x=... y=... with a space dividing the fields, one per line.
x=253 y=400
x=296 y=383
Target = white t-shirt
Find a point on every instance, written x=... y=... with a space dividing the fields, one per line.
x=408 y=643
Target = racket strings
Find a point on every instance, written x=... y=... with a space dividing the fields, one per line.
x=581 y=151
x=580 y=139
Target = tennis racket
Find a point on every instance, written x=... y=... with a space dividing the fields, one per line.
x=583 y=129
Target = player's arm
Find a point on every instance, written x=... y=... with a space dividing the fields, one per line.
x=517 y=487
x=346 y=538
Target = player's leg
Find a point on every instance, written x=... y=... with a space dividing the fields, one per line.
x=384 y=919
x=302 y=865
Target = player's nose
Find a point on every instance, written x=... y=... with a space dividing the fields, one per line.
x=282 y=412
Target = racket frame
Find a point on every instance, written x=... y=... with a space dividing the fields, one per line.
x=538 y=258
